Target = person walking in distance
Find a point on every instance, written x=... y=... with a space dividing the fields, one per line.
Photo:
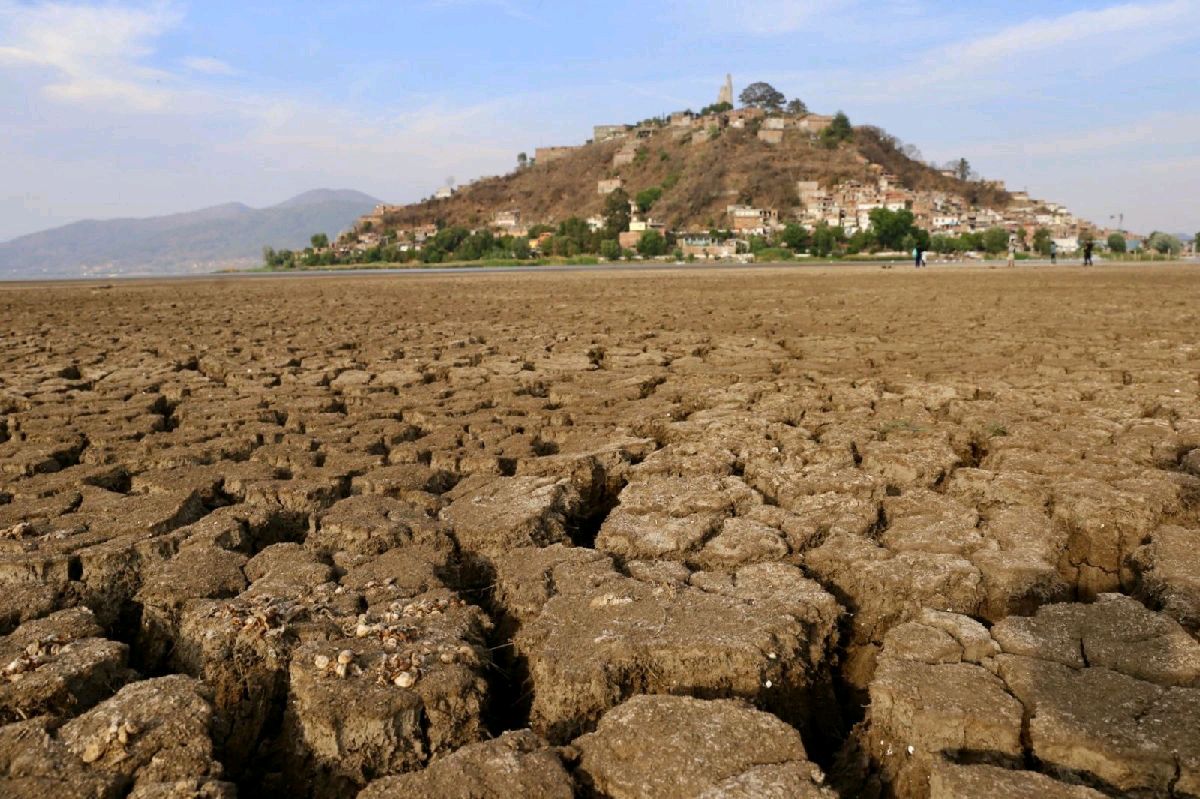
x=918 y=257
x=1012 y=254
x=1087 y=254
x=1053 y=252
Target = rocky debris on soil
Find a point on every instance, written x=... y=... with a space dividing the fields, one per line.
x=404 y=686
x=152 y=739
x=515 y=764
x=676 y=747
x=1105 y=695
x=59 y=665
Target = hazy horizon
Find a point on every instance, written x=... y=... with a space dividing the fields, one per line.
x=132 y=109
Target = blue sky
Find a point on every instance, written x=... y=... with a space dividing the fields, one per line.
x=137 y=108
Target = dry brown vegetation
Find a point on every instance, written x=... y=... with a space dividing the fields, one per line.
x=807 y=533
x=702 y=179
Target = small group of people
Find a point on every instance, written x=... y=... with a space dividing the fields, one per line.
x=1088 y=250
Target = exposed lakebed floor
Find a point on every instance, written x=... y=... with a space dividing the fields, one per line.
x=729 y=534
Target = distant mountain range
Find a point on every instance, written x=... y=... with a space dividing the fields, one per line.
x=224 y=236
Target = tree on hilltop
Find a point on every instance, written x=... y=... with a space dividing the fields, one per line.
x=962 y=170
x=838 y=131
x=797 y=107
x=762 y=95
x=522 y=160
x=319 y=241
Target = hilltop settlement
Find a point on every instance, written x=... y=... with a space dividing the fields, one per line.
x=768 y=179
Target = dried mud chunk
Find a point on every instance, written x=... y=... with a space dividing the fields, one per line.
x=1116 y=633
x=688 y=459
x=197 y=572
x=407 y=687
x=921 y=710
x=1168 y=574
x=35 y=765
x=515 y=764
x=301 y=495
x=673 y=517
x=1016 y=583
x=678 y=747
x=286 y=566
x=22 y=603
x=371 y=525
x=1104 y=691
x=150 y=733
x=396 y=481
x=596 y=470
x=35 y=509
x=58 y=665
x=490 y=516
x=1120 y=733
x=402 y=573
x=1105 y=526
x=810 y=520
x=882 y=590
x=653 y=535
x=952 y=781
x=741 y=542
x=988 y=490
x=686 y=496
x=909 y=462
x=590 y=649
x=527 y=578
x=924 y=521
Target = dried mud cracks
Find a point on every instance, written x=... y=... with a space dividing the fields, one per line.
x=602 y=536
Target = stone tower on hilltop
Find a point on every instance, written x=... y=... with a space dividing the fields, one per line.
x=726 y=95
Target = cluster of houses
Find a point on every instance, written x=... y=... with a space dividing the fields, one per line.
x=849 y=205
x=695 y=128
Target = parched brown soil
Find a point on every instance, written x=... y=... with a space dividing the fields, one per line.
x=752 y=533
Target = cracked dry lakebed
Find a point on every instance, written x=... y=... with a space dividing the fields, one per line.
x=755 y=533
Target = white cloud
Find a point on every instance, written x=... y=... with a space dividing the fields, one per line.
x=208 y=66
x=92 y=51
x=758 y=17
x=1164 y=130
x=1049 y=34
x=1031 y=55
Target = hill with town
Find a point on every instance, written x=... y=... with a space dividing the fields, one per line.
x=714 y=183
